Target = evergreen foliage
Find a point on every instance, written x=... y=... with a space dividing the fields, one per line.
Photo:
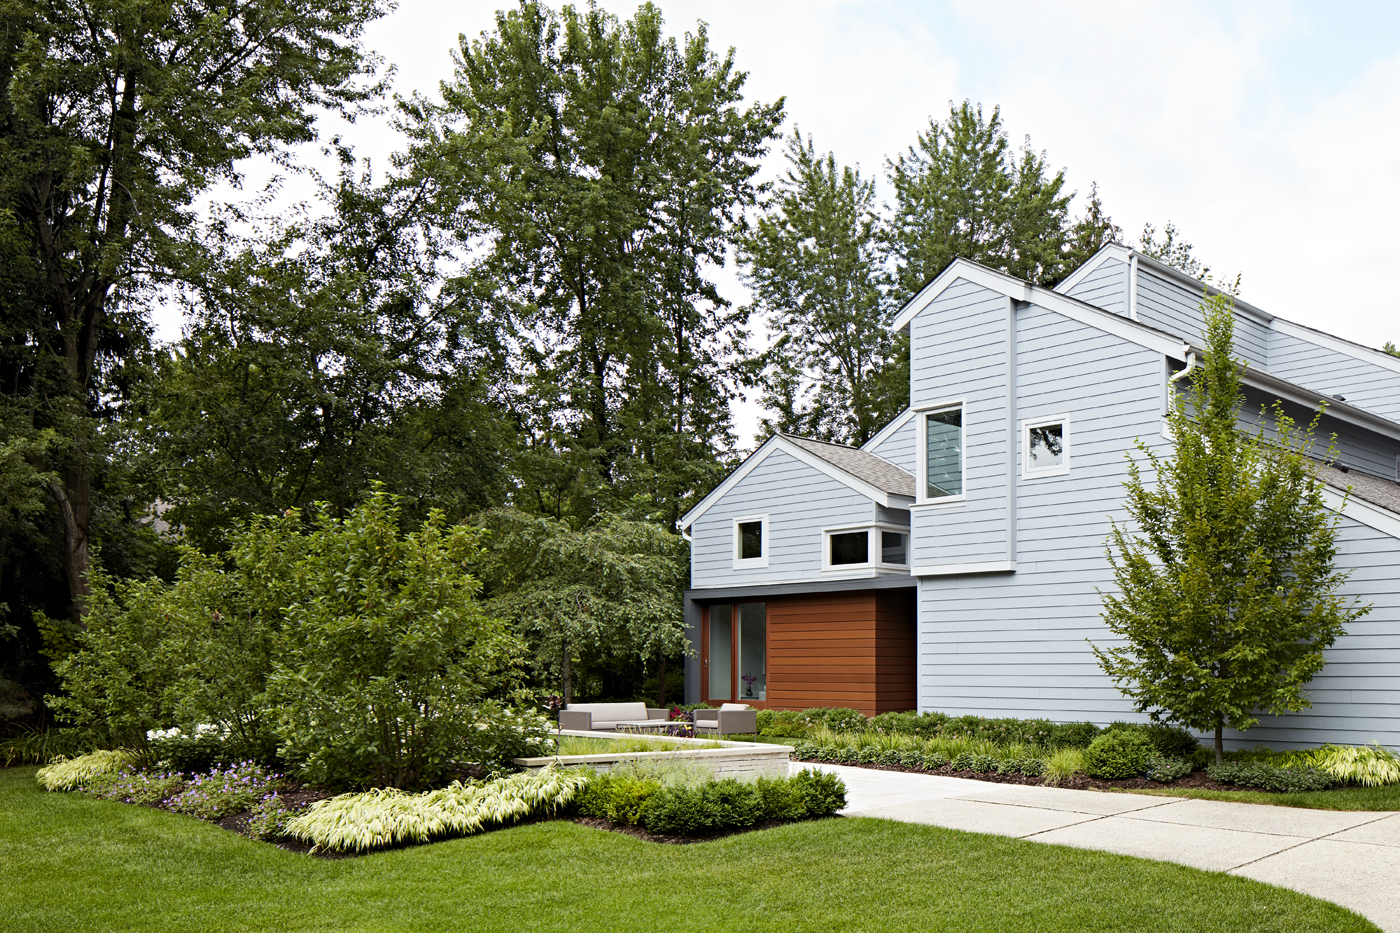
x=1227 y=584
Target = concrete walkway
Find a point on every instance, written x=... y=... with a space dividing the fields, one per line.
x=1349 y=858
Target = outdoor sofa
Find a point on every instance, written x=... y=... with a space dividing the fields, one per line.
x=729 y=719
x=606 y=717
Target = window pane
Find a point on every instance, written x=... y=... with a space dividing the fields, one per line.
x=944 y=454
x=753 y=646
x=1047 y=446
x=891 y=547
x=721 y=644
x=852 y=547
x=750 y=540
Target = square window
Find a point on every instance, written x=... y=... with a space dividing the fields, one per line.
x=851 y=547
x=943 y=467
x=750 y=540
x=1046 y=445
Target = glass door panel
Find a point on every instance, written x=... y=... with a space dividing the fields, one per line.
x=753 y=651
x=720 y=651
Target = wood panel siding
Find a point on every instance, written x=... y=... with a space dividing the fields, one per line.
x=851 y=649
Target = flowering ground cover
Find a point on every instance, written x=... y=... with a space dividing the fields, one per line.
x=73 y=862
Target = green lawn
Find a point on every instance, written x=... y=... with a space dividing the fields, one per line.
x=72 y=864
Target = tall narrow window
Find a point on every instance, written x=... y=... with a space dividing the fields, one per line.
x=753 y=650
x=892 y=549
x=943 y=467
x=718 y=657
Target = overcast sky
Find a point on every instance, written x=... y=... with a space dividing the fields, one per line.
x=1268 y=132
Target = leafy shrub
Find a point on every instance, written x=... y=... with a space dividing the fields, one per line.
x=932 y=761
x=199 y=749
x=129 y=786
x=821 y=793
x=714 y=806
x=271 y=817
x=1268 y=777
x=1368 y=765
x=616 y=797
x=1063 y=765
x=1167 y=770
x=1117 y=754
x=1073 y=734
x=842 y=719
x=971 y=761
x=1168 y=741
x=924 y=725
x=72 y=773
x=220 y=793
x=387 y=817
x=1033 y=767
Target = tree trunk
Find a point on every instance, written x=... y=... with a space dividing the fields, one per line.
x=568 y=676
x=661 y=683
x=74 y=497
x=1219 y=743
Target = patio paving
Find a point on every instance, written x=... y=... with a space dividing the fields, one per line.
x=1348 y=858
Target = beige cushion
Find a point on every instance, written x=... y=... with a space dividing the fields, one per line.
x=724 y=706
x=610 y=712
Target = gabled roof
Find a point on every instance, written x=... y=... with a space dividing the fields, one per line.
x=877 y=471
x=1379 y=492
x=1018 y=290
x=873 y=477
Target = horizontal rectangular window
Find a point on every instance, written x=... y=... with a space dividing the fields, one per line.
x=943 y=467
x=852 y=547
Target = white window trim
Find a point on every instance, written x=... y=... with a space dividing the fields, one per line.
x=921 y=478
x=751 y=563
x=872 y=547
x=1060 y=469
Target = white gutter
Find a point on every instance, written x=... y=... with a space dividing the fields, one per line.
x=1190 y=364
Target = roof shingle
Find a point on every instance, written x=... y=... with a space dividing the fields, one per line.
x=867 y=467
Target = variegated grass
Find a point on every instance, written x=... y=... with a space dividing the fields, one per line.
x=72 y=773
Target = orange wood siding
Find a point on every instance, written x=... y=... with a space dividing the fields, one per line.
x=851 y=649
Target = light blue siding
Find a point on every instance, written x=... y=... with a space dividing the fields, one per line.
x=1166 y=305
x=799 y=500
x=1366 y=384
x=958 y=352
x=898 y=448
x=1356 y=697
x=1356 y=447
x=1014 y=644
x=1106 y=287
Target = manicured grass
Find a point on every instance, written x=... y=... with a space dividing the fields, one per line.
x=1346 y=798
x=71 y=863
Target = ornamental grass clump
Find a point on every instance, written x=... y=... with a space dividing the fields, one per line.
x=1368 y=765
x=1063 y=765
x=72 y=773
x=387 y=817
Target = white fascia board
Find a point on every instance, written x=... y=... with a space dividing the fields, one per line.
x=732 y=480
x=1383 y=520
x=1354 y=350
x=778 y=442
x=1129 y=330
x=960 y=269
x=887 y=431
x=949 y=570
x=1105 y=253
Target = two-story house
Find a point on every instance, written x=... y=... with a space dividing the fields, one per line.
x=954 y=562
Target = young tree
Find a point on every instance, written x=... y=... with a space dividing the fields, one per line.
x=114 y=118
x=611 y=589
x=812 y=261
x=1227 y=589
x=595 y=171
x=961 y=191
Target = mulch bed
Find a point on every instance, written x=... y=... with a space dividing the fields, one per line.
x=1196 y=780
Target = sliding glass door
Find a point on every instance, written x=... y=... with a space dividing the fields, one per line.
x=735 y=646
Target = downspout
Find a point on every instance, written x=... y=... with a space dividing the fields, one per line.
x=1011 y=431
x=1190 y=364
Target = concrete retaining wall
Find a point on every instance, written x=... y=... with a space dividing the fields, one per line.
x=734 y=760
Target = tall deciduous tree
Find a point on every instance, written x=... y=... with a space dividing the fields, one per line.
x=1227 y=588
x=595 y=169
x=962 y=191
x=813 y=263
x=115 y=115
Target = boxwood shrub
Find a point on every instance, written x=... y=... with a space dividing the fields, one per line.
x=1118 y=754
x=1268 y=777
